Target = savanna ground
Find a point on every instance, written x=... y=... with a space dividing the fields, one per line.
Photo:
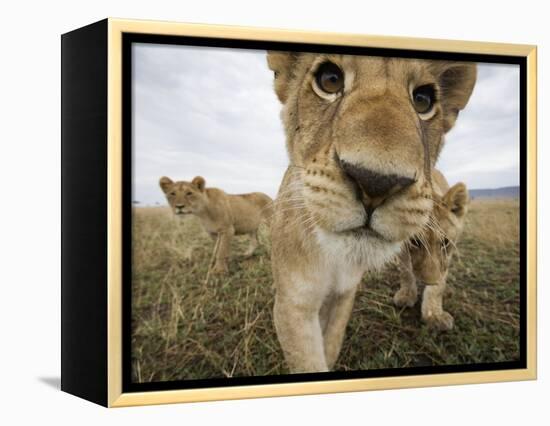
x=186 y=328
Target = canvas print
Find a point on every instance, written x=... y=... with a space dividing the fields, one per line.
x=301 y=212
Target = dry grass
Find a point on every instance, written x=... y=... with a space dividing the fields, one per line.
x=186 y=329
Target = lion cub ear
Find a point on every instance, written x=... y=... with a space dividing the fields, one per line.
x=457 y=199
x=165 y=183
x=457 y=81
x=199 y=182
x=282 y=65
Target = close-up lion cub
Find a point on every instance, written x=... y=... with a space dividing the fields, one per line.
x=427 y=258
x=222 y=215
x=362 y=136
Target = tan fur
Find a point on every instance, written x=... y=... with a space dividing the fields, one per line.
x=321 y=245
x=222 y=215
x=428 y=257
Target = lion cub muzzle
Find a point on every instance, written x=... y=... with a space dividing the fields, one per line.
x=373 y=188
x=179 y=209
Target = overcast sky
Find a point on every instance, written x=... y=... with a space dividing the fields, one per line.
x=212 y=112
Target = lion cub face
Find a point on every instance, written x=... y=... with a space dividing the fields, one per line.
x=363 y=134
x=184 y=197
x=431 y=253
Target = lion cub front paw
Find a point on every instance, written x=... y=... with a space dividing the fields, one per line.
x=443 y=321
x=405 y=297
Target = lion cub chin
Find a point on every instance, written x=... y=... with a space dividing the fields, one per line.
x=222 y=215
x=427 y=257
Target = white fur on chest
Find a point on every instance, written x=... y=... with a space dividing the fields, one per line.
x=347 y=258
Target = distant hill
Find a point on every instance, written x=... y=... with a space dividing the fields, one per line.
x=505 y=192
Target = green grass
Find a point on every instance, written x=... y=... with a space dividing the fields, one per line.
x=186 y=328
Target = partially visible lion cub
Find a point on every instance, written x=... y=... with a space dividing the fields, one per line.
x=427 y=258
x=222 y=215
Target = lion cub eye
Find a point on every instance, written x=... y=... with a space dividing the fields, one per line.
x=446 y=243
x=423 y=98
x=173 y=193
x=189 y=193
x=329 y=77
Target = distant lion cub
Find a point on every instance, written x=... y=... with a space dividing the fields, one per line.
x=427 y=258
x=222 y=215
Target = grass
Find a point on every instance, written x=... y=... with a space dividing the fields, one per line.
x=184 y=328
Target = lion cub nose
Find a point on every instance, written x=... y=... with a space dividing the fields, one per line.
x=376 y=186
x=179 y=206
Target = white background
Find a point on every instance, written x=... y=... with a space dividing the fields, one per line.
x=30 y=196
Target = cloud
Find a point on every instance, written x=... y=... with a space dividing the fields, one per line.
x=204 y=111
x=482 y=150
x=213 y=112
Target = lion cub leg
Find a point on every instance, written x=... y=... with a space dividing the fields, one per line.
x=335 y=315
x=408 y=291
x=300 y=335
x=253 y=244
x=222 y=255
x=432 y=307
